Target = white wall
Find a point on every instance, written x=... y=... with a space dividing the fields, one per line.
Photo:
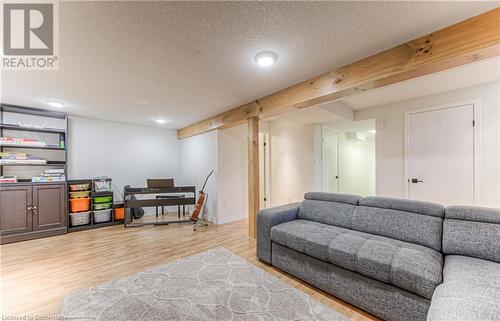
x=130 y=154
x=390 y=139
x=198 y=157
x=127 y=153
x=232 y=186
x=292 y=161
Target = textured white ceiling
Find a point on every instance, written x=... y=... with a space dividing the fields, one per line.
x=132 y=61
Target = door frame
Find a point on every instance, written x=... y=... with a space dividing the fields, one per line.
x=338 y=132
x=265 y=172
x=476 y=110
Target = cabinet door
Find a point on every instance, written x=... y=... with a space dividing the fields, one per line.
x=15 y=209
x=49 y=207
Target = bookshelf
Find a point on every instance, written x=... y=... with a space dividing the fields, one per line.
x=37 y=127
x=32 y=209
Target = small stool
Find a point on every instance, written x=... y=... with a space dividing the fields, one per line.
x=178 y=206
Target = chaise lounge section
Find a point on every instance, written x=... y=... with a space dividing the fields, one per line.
x=381 y=254
x=471 y=275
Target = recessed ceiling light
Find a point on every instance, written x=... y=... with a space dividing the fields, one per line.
x=161 y=121
x=266 y=58
x=140 y=102
x=54 y=103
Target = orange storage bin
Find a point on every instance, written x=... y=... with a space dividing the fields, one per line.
x=119 y=213
x=79 y=204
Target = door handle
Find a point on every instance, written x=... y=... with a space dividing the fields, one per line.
x=416 y=180
x=35 y=210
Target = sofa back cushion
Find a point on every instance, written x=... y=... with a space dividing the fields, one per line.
x=405 y=220
x=472 y=231
x=329 y=208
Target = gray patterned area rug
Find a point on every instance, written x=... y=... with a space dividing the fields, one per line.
x=213 y=285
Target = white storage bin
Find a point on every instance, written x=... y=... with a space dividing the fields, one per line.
x=102 y=185
x=102 y=216
x=82 y=218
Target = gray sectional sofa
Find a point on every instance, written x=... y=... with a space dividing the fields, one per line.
x=387 y=255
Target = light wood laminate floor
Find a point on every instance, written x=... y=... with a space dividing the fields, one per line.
x=37 y=274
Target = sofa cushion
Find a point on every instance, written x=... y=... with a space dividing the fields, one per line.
x=333 y=197
x=473 y=213
x=411 y=267
x=472 y=231
x=406 y=220
x=329 y=208
x=470 y=291
x=398 y=204
x=305 y=236
x=404 y=226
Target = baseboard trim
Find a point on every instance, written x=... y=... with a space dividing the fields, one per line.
x=230 y=219
x=5 y=239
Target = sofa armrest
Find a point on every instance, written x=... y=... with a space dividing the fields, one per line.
x=266 y=219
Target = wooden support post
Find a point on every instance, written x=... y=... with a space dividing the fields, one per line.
x=253 y=175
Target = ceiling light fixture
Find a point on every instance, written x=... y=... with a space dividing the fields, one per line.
x=266 y=58
x=140 y=102
x=53 y=103
x=161 y=121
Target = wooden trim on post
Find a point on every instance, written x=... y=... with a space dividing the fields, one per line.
x=253 y=175
x=471 y=40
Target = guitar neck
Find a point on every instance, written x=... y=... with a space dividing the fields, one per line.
x=206 y=180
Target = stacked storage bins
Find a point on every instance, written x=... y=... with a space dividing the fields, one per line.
x=102 y=200
x=90 y=204
x=79 y=201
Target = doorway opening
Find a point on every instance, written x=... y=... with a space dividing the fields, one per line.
x=348 y=157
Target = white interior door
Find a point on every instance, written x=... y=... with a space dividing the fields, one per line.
x=330 y=160
x=440 y=155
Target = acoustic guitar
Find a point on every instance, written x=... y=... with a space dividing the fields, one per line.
x=201 y=200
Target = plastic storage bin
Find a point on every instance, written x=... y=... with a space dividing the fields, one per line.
x=102 y=185
x=82 y=218
x=102 y=199
x=79 y=187
x=80 y=194
x=102 y=206
x=119 y=213
x=79 y=204
x=102 y=216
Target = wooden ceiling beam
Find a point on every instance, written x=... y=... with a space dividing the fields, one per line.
x=471 y=40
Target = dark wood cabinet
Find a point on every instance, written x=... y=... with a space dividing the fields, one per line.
x=15 y=212
x=49 y=210
x=32 y=211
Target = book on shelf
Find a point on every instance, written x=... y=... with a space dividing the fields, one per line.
x=27 y=161
x=11 y=141
x=50 y=175
x=12 y=154
x=43 y=179
x=8 y=179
